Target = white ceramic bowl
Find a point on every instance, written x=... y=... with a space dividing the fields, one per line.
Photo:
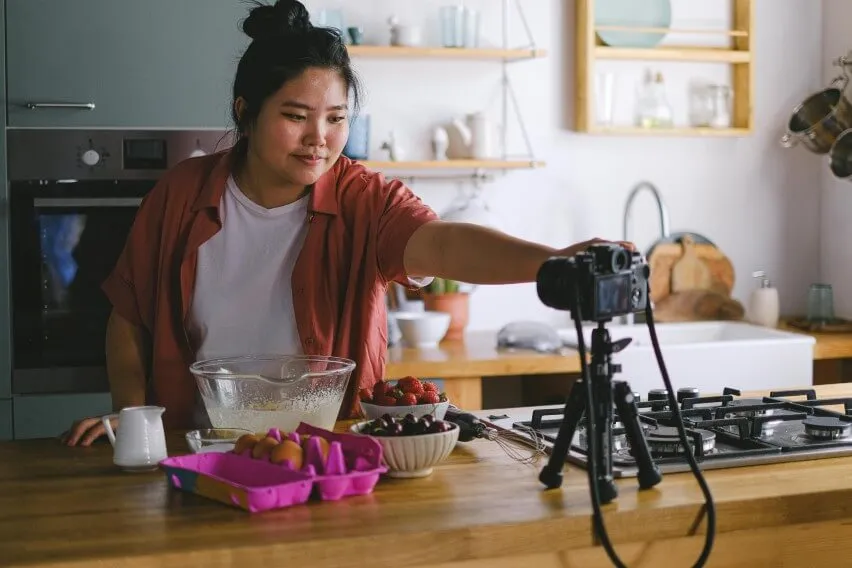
x=422 y=329
x=414 y=456
x=373 y=411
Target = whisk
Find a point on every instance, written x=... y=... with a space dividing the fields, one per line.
x=524 y=448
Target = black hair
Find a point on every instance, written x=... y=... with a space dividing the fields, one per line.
x=284 y=44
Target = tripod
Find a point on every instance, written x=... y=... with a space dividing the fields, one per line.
x=604 y=392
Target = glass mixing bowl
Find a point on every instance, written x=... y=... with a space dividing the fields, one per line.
x=259 y=392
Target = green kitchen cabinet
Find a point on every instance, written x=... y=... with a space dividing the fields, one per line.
x=157 y=63
x=5 y=420
x=47 y=416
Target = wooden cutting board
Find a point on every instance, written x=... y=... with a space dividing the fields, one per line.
x=690 y=272
x=665 y=256
x=698 y=305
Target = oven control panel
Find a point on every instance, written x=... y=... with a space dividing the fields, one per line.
x=66 y=154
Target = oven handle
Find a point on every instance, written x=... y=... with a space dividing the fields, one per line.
x=87 y=201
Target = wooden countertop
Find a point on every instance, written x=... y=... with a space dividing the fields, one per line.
x=478 y=356
x=70 y=507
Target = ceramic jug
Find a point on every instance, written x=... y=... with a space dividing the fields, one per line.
x=475 y=137
x=140 y=443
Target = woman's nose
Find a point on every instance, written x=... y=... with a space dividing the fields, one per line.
x=315 y=134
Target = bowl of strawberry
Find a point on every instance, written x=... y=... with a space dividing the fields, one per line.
x=411 y=446
x=403 y=397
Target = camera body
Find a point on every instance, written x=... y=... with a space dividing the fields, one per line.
x=610 y=280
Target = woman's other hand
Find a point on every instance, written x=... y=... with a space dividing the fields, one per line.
x=84 y=432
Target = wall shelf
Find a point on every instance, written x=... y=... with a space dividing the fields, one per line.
x=682 y=131
x=706 y=54
x=499 y=54
x=590 y=49
x=453 y=165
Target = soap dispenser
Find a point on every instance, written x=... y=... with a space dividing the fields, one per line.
x=763 y=306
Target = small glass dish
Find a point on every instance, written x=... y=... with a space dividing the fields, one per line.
x=214 y=439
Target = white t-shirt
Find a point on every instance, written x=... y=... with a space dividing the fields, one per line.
x=243 y=299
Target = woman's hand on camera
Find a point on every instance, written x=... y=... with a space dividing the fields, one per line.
x=84 y=432
x=580 y=247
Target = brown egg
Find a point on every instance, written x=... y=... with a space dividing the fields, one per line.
x=288 y=450
x=263 y=448
x=245 y=442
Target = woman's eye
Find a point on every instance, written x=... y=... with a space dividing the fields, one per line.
x=294 y=116
x=337 y=119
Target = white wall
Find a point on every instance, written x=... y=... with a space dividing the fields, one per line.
x=836 y=194
x=758 y=201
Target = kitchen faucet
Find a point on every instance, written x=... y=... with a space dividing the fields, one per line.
x=663 y=216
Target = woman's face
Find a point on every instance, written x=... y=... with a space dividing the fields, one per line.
x=302 y=128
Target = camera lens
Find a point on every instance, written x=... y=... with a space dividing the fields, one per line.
x=555 y=283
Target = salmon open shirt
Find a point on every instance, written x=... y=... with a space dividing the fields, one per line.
x=358 y=227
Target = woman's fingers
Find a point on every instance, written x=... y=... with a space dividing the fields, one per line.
x=79 y=432
x=93 y=434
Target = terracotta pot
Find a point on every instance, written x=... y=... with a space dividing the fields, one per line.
x=457 y=305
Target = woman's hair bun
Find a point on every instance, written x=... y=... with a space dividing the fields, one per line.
x=285 y=17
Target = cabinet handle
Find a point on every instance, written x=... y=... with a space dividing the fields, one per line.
x=87 y=202
x=85 y=106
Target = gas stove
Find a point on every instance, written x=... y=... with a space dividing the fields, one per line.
x=723 y=431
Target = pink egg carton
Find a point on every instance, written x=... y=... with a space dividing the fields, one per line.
x=353 y=467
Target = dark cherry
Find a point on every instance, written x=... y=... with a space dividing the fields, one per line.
x=395 y=429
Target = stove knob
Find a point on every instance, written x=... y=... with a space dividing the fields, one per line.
x=687 y=392
x=658 y=394
x=658 y=399
x=90 y=157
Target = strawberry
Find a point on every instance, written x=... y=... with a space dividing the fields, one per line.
x=430 y=387
x=407 y=399
x=379 y=389
x=385 y=400
x=410 y=384
x=429 y=397
x=365 y=395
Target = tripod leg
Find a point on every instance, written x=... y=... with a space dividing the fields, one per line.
x=602 y=432
x=649 y=474
x=551 y=474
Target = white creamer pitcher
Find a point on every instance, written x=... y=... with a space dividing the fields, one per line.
x=140 y=443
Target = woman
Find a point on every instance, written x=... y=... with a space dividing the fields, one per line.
x=280 y=244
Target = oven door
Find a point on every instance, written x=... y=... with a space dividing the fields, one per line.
x=65 y=239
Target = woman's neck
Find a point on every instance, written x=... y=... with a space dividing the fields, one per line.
x=263 y=186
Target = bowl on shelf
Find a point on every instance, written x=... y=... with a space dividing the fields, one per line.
x=414 y=455
x=259 y=392
x=422 y=329
x=213 y=439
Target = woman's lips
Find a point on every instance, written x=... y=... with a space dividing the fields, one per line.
x=310 y=160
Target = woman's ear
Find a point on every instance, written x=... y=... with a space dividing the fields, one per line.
x=239 y=109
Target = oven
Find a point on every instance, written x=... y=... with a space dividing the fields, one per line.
x=73 y=196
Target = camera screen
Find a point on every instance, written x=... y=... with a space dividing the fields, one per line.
x=613 y=295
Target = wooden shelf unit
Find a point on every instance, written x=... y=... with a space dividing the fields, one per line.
x=590 y=49
x=472 y=165
x=385 y=51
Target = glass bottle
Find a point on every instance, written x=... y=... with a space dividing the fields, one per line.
x=653 y=109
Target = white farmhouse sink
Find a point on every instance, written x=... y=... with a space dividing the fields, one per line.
x=710 y=356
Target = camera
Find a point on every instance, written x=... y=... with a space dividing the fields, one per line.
x=609 y=279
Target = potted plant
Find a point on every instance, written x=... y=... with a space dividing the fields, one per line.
x=444 y=295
